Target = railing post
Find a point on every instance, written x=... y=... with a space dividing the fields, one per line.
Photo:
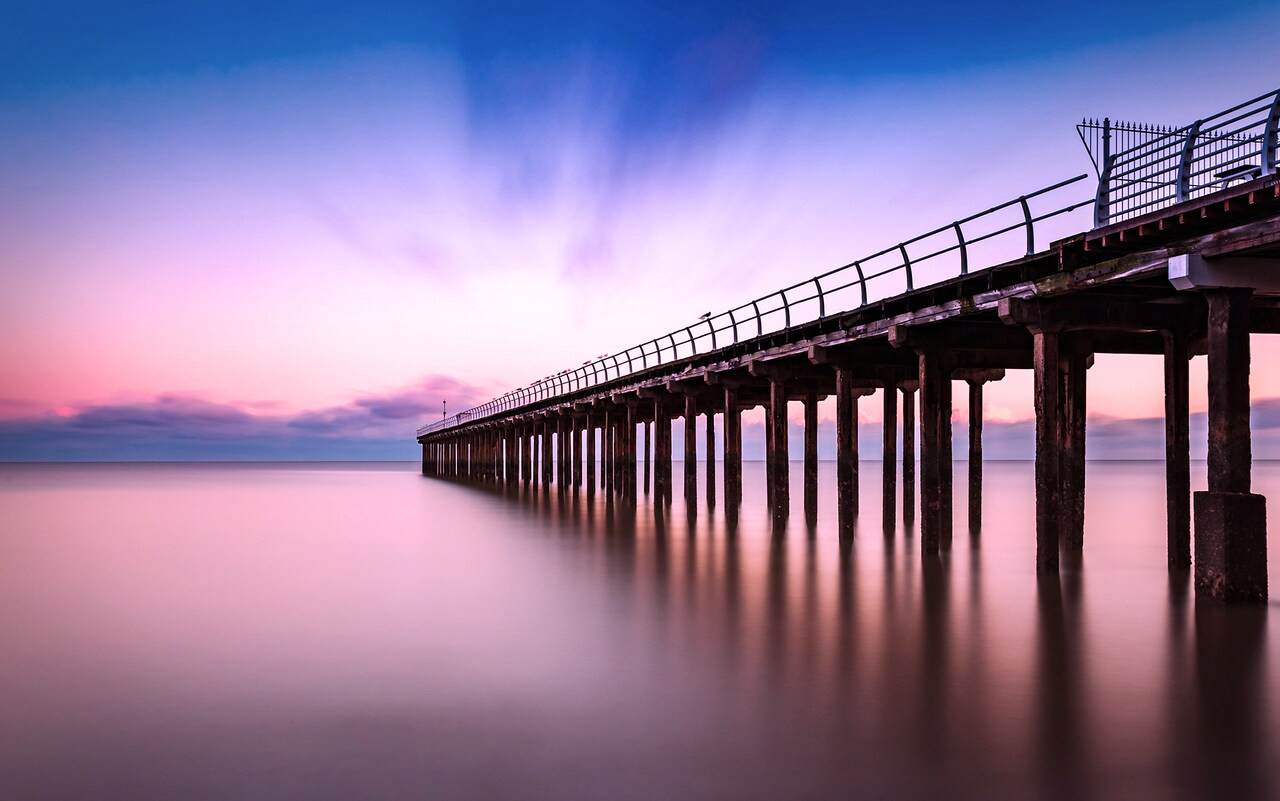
x=734 y=321
x=786 y=310
x=906 y=262
x=1102 y=198
x=1031 y=230
x=1270 y=137
x=964 y=249
x=689 y=333
x=862 y=281
x=1184 y=163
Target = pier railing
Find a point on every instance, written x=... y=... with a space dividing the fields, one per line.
x=1159 y=166
x=987 y=238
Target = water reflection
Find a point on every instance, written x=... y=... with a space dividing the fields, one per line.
x=344 y=634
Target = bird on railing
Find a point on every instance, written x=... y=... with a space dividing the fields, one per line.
x=706 y=316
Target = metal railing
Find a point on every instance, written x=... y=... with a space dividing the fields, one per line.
x=1158 y=167
x=998 y=234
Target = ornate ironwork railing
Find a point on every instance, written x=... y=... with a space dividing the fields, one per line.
x=1156 y=166
x=998 y=234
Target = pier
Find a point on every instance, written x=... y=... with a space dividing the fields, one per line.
x=1181 y=259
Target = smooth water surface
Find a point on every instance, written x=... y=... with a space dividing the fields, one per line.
x=363 y=632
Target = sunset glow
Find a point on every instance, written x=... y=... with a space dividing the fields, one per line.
x=441 y=206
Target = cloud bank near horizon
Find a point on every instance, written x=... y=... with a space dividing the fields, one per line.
x=186 y=427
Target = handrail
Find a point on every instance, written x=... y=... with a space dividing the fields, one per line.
x=1174 y=165
x=788 y=301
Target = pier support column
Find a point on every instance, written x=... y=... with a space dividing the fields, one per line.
x=620 y=453
x=935 y=451
x=908 y=452
x=1075 y=370
x=691 y=452
x=511 y=456
x=591 y=455
x=545 y=452
x=811 y=454
x=711 y=458
x=647 y=456
x=1046 y=360
x=562 y=451
x=732 y=448
x=778 y=467
x=526 y=445
x=889 y=500
x=575 y=450
x=609 y=452
x=1230 y=521
x=975 y=456
x=662 y=454
x=629 y=477
x=846 y=451
x=1177 y=448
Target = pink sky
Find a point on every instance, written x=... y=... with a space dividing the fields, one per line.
x=302 y=234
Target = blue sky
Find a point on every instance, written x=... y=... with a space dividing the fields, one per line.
x=305 y=225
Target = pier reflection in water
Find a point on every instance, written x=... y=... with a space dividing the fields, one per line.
x=271 y=632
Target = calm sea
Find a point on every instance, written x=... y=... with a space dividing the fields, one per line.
x=343 y=631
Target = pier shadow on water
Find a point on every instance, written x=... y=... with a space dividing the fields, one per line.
x=305 y=633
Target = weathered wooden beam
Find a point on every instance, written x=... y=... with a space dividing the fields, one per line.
x=960 y=335
x=1132 y=342
x=1080 y=312
x=978 y=376
x=785 y=370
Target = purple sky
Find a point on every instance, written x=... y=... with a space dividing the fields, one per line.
x=231 y=234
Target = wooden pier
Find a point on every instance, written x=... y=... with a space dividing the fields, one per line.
x=1193 y=277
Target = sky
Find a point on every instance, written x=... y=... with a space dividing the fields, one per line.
x=293 y=231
